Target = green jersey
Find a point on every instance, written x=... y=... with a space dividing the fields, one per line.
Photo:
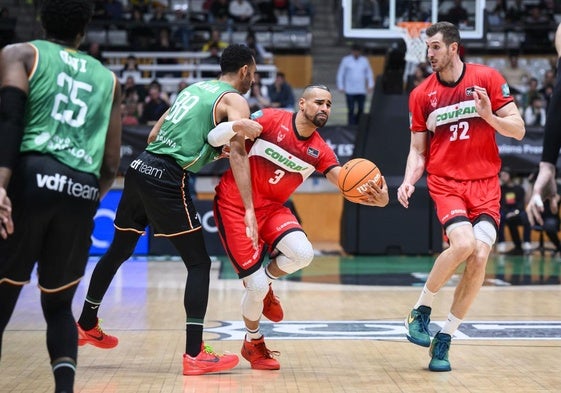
x=184 y=132
x=69 y=106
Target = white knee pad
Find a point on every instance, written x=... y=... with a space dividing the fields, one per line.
x=485 y=232
x=297 y=252
x=256 y=288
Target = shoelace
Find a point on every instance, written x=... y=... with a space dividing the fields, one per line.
x=261 y=347
x=440 y=349
x=208 y=349
x=424 y=325
x=98 y=326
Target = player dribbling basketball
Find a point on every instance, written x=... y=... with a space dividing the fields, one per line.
x=287 y=152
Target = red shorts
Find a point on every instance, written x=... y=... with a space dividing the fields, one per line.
x=273 y=221
x=465 y=198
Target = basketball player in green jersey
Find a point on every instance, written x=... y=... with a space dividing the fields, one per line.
x=205 y=116
x=61 y=133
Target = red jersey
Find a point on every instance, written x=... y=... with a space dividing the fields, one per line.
x=462 y=145
x=280 y=160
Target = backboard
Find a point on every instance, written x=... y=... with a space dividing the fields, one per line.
x=379 y=18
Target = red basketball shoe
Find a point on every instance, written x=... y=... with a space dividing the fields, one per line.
x=207 y=361
x=96 y=337
x=272 y=308
x=257 y=354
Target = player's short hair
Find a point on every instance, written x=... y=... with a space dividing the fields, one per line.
x=65 y=19
x=234 y=57
x=450 y=32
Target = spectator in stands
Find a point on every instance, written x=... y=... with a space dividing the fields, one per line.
x=155 y=105
x=131 y=68
x=215 y=38
x=142 y=5
x=259 y=52
x=159 y=19
x=180 y=86
x=212 y=58
x=219 y=12
x=181 y=32
x=140 y=36
x=497 y=14
x=516 y=76
x=94 y=50
x=258 y=96
x=164 y=43
x=281 y=7
x=534 y=114
x=532 y=91
x=513 y=216
x=419 y=75
x=281 y=93
x=355 y=78
x=128 y=117
x=240 y=11
x=99 y=12
x=133 y=96
x=265 y=11
x=301 y=8
x=114 y=10
x=457 y=14
x=536 y=30
x=516 y=12
x=213 y=55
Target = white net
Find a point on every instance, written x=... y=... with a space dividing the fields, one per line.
x=413 y=34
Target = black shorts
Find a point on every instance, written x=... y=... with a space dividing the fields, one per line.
x=53 y=207
x=156 y=192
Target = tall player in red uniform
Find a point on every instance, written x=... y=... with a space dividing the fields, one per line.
x=454 y=115
x=287 y=152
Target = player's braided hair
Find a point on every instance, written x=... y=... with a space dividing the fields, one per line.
x=65 y=19
x=234 y=57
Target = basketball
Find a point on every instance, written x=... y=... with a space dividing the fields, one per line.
x=356 y=173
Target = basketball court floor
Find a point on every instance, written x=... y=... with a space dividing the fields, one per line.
x=343 y=331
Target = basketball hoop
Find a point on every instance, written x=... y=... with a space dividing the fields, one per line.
x=413 y=34
x=414 y=37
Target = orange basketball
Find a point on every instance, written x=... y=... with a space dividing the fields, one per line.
x=356 y=173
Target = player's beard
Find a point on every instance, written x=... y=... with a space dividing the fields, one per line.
x=443 y=63
x=319 y=122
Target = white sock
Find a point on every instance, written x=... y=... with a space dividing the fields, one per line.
x=253 y=334
x=451 y=325
x=426 y=298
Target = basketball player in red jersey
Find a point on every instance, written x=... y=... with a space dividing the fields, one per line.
x=454 y=115
x=287 y=152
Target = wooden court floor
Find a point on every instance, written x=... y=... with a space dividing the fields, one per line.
x=339 y=334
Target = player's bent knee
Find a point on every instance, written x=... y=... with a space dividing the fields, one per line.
x=297 y=252
x=256 y=286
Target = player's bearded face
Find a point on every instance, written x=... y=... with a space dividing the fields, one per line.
x=319 y=118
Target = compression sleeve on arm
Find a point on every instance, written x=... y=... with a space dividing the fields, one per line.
x=221 y=134
x=12 y=110
x=552 y=130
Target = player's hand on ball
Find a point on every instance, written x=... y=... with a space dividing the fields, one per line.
x=374 y=195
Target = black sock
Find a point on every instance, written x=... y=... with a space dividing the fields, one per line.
x=64 y=373
x=88 y=317
x=194 y=334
